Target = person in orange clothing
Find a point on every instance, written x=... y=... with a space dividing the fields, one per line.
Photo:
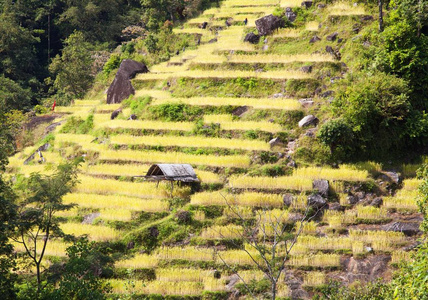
x=53 y=106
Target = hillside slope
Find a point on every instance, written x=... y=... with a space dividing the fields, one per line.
x=231 y=109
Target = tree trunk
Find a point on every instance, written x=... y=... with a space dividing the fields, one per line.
x=39 y=280
x=273 y=287
x=380 y=2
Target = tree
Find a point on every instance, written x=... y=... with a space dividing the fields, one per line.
x=13 y=96
x=73 y=67
x=7 y=218
x=268 y=242
x=41 y=200
x=80 y=278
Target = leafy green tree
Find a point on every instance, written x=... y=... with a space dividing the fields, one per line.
x=73 y=67
x=338 y=136
x=13 y=96
x=41 y=198
x=80 y=278
x=7 y=218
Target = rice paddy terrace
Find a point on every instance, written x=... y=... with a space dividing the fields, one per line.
x=232 y=99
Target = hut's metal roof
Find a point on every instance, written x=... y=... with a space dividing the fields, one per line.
x=172 y=172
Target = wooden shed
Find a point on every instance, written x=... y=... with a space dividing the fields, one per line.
x=172 y=172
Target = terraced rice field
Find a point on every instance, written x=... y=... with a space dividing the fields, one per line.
x=240 y=172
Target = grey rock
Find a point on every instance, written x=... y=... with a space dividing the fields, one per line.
x=310 y=132
x=89 y=219
x=321 y=6
x=391 y=177
x=204 y=25
x=133 y=117
x=335 y=206
x=265 y=47
x=336 y=78
x=122 y=88
x=275 y=142
x=316 y=201
x=288 y=199
x=367 y=44
x=366 y=18
x=369 y=249
x=322 y=186
x=52 y=127
x=292 y=164
x=308 y=121
x=212 y=41
x=279 y=95
x=307 y=102
x=408 y=228
x=327 y=94
x=268 y=24
x=290 y=14
x=340 y=40
x=252 y=38
x=130 y=245
x=115 y=113
x=307 y=4
x=377 y=202
x=291 y=146
x=306 y=69
x=44 y=147
x=240 y=111
x=352 y=200
x=360 y=195
x=314 y=39
x=332 y=37
x=329 y=50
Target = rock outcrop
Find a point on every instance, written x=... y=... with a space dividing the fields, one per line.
x=268 y=24
x=252 y=38
x=122 y=88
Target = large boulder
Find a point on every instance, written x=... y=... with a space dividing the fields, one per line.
x=252 y=38
x=322 y=186
x=408 y=228
x=290 y=14
x=268 y=24
x=317 y=202
x=308 y=121
x=122 y=88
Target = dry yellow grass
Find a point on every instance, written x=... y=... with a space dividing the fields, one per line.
x=411 y=184
x=236 y=257
x=371 y=213
x=403 y=199
x=222 y=232
x=400 y=256
x=109 y=186
x=94 y=232
x=317 y=260
x=280 y=59
x=226 y=123
x=313 y=26
x=325 y=243
x=182 y=274
x=245 y=3
x=290 y=3
x=343 y=173
x=376 y=235
x=120 y=286
x=314 y=279
x=208 y=177
x=140 y=261
x=72 y=109
x=152 y=93
x=346 y=9
x=115 y=214
x=108 y=107
x=287 y=33
x=116 y=202
x=176 y=157
x=282 y=183
x=116 y=170
x=257 y=103
x=190 y=141
x=284 y=74
x=244 y=199
x=148 y=125
x=53 y=248
x=234 y=212
x=185 y=253
x=86 y=102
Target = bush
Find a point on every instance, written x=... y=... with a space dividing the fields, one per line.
x=338 y=136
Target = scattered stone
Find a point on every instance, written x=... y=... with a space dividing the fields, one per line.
x=252 y=38
x=314 y=39
x=240 y=111
x=329 y=49
x=275 y=142
x=307 y=4
x=322 y=186
x=352 y=199
x=310 y=132
x=290 y=14
x=30 y=158
x=212 y=41
x=391 y=177
x=377 y=202
x=321 y=6
x=115 y=113
x=265 y=41
x=334 y=79
x=52 y=127
x=317 y=201
x=288 y=199
x=265 y=47
x=279 y=95
x=89 y=219
x=366 y=18
x=44 y=147
x=327 y=94
x=133 y=117
x=367 y=44
x=292 y=164
x=122 y=88
x=332 y=37
x=408 y=228
x=268 y=24
x=307 y=102
x=335 y=206
x=306 y=69
x=154 y=231
x=340 y=40
x=360 y=195
x=130 y=245
x=292 y=146
x=356 y=28
x=369 y=249
x=308 y=120
x=204 y=25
